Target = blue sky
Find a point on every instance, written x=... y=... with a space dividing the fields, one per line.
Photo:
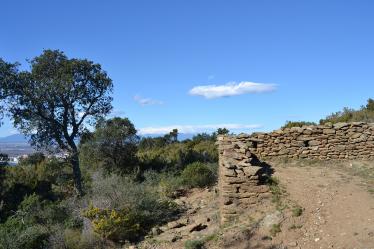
x=310 y=58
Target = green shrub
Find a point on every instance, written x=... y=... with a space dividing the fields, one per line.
x=290 y=124
x=297 y=211
x=169 y=185
x=33 y=159
x=364 y=114
x=194 y=244
x=275 y=229
x=116 y=225
x=198 y=175
x=35 y=221
x=22 y=230
x=75 y=239
x=175 y=156
x=138 y=207
x=111 y=147
x=14 y=236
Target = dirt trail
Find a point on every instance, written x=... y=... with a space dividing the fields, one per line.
x=338 y=209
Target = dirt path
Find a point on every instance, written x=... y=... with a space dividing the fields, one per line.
x=338 y=209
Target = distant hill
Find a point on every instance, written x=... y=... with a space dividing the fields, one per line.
x=16 y=138
x=184 y=136
x=181 y=136
x=19 y=138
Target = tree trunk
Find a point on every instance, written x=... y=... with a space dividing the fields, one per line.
x=77 y=173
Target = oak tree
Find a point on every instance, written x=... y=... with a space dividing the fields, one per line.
x=55 y=100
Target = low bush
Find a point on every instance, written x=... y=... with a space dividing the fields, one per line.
x=290 y=124
x=123 y=209
x=26 y=228
x=275 y=229
x=175 y=156
x=120 y=226
x=364 y=114
x=14 y=235
x=198 y=175
x=33 y=224
x=297 y=211
x=194 y=244
x=170 y=185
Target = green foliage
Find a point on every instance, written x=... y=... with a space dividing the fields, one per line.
x=205 y=151
x=222 y=131
x=170 y=184
x=364 y=114
x=204 y=137
x=297 y=211
x=56 y=98
x=198 y=175
x=175 y=156
x=12 y=236
x=169 y=157
x=370 y=105
x=276 y=191
x=275 y=229
x=116 y=225
x=36 y=196
x=137 y=207
x=112 y=147
x=50 y=179
x=194 y=244
x=4 y=158
x=33 y=223
x=290 y=124
x=74 y=239
x=157 y=142
x=174 y=184
x=293 y=226
x=33 y=159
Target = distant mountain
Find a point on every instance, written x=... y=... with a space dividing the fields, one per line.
x=19 y=138
x=184 y=136
x=16 y=138
x=181 y=136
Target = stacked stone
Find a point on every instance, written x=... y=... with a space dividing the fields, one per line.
x=239 y=173
x=239 y=179
x=338 y=141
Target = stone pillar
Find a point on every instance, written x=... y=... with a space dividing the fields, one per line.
x=239 y=177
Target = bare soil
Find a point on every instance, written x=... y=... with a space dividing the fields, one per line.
x=338 y=207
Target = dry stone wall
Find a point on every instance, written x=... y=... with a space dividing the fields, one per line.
x=241 y=173
x=338 y=141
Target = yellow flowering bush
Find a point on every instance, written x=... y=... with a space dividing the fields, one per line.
x=116 y=225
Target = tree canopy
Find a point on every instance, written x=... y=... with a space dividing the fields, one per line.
x=55 y=100
x=4 y=158
x=112 y=146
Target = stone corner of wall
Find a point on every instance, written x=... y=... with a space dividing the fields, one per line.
x=240 y=170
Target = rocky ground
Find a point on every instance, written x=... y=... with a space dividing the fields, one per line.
x=314 y=205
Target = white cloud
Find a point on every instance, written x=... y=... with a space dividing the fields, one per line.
x=191 y=129
x=146 y=101
x=231 y=89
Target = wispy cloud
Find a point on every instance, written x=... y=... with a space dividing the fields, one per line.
x=117 y=113
x=211 y=77
x=231 y=89
x=13 y=131
x=191 y=129
x=146 y=101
